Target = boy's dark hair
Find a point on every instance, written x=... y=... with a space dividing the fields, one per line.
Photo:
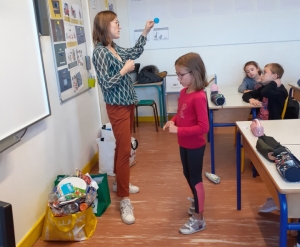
x=276 y=68
x=255 y=64
x=194 y=63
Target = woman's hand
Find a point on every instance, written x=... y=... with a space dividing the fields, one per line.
x=149 y=25
x=168 y=124
x=254 y=102
x=128 y=67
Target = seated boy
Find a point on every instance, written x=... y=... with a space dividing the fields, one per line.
x=271 y=97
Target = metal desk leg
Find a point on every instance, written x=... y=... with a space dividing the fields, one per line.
x=160 y=96
x=253 y=110
x=163 y=90
x=211 y=137
x=283 y=220
x=291 y=92
x=238 y=169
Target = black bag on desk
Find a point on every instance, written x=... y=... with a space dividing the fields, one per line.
x=268 y=147
x=288 y=166
x=147 y=77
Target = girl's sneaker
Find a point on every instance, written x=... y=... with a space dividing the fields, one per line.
x=193 y=225
x=269 y=206
x=191 y=210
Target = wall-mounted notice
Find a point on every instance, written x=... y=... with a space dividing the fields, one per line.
x=199 y=23
x=69 y=46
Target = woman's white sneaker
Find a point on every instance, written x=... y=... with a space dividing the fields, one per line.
x=132 y=188
x=126 y=210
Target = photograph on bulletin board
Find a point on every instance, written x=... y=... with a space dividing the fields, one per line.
x=69 y=47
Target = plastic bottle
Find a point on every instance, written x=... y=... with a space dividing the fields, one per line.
x=90 y=195
x=70 y=208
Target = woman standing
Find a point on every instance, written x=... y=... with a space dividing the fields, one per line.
x=112 y=64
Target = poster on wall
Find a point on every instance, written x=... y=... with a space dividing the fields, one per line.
x=69 y=47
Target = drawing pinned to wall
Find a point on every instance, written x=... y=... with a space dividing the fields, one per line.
x=80 y=35
x=64 y=78
x=55 y=9
x=60 y=54
x=58 y=30
x=161 y=33
x=76 y=79
x=75 y=14
x=80 y=54
x=71 y=37
x=66 y=12
x=71 y=57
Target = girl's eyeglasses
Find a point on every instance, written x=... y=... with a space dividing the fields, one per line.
x=181 y=75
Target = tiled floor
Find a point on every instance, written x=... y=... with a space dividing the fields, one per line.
x=161 y=206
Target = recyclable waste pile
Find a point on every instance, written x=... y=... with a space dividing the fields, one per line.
x=73 y=194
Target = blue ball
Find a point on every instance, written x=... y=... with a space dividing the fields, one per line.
x=156 y=20
x=298 y=82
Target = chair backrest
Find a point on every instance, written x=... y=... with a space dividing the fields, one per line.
x=284 y=107
x=290 y=109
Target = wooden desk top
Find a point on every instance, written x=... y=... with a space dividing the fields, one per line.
x=294 y=86
x=284 y=131
x=149 y=84
x=281 y=185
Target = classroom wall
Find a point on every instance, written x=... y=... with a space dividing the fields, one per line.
x=226 y=61
x=56 y=145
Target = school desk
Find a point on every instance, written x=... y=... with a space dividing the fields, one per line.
x=160 y=91
x=234 y=109
x=285 y=194
x=294 y=91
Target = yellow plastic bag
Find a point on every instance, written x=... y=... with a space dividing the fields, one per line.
x=74 y=227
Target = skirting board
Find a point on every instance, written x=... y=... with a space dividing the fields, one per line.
x=36 y=231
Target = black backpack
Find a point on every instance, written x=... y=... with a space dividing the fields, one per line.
x=292 y=109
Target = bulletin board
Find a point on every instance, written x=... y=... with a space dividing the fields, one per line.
x=69 y=47
x=194 y=23
x=23 y=93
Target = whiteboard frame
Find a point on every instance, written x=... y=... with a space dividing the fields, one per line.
x=11 y=138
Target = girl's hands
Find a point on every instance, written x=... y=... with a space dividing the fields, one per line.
x=172 y=127
x=149 y=25
x=254 y=102
x=167 y=125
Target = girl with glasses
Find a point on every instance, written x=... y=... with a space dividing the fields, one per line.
x=190 y=124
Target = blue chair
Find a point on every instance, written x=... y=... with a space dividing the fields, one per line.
x=151 y=103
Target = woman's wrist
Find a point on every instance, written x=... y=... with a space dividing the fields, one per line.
x=123 y=72
x=145 y=33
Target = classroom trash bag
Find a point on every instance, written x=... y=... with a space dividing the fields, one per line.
x=74 y=227
x=107 y=144
x=102 y=200
x=106 y=155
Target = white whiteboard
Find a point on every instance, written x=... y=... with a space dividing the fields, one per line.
x=23 y=92
x=194 y=23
